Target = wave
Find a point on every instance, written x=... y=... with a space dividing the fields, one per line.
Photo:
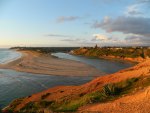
x=7 y=55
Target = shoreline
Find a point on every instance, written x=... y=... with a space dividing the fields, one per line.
x=130 y=60
x=38 y=63
x=11 y=59
x=74 y=92
x=113 y=59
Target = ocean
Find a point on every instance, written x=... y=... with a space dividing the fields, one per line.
x=7 y=55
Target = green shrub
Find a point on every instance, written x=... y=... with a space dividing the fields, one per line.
x=31 y=107
x=45 y=95
x=13 y=105
x=45 y=104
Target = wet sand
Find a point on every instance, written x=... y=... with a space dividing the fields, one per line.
x=38 y=63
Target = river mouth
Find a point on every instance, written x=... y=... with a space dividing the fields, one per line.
x=104 y=65
x=14 y=84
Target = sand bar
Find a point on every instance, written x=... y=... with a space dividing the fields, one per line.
x=38 y=63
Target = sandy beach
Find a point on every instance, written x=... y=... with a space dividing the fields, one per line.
x=38 y=63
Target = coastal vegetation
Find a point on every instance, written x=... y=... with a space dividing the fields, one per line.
x=103 y=52
x=116 y=52
x=46 y=50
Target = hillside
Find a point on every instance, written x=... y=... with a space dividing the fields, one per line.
x=136 y=54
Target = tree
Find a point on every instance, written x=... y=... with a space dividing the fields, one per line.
x=96 y=46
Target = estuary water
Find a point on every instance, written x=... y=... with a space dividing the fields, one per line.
x=106 y=66
x=15 y=84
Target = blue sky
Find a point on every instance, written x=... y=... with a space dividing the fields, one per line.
x=74 y=22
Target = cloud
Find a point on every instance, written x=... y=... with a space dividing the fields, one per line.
x=105 y=40
x=99 y=37
x=77 y=40
x=137 y=39
x=71 y=40
x=80 y=42
x=136 y=30
x=126 y=25
x=139 y=8
x=98 y=24
x=57 y=35
x=134 y=26
x=144 y=1
x=63 y=19
x=133 y=10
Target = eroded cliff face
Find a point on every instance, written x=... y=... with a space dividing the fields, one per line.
x=93 y=96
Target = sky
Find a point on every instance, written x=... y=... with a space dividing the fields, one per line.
x=71 y=23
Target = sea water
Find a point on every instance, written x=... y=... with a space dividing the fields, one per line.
x=7 y=55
